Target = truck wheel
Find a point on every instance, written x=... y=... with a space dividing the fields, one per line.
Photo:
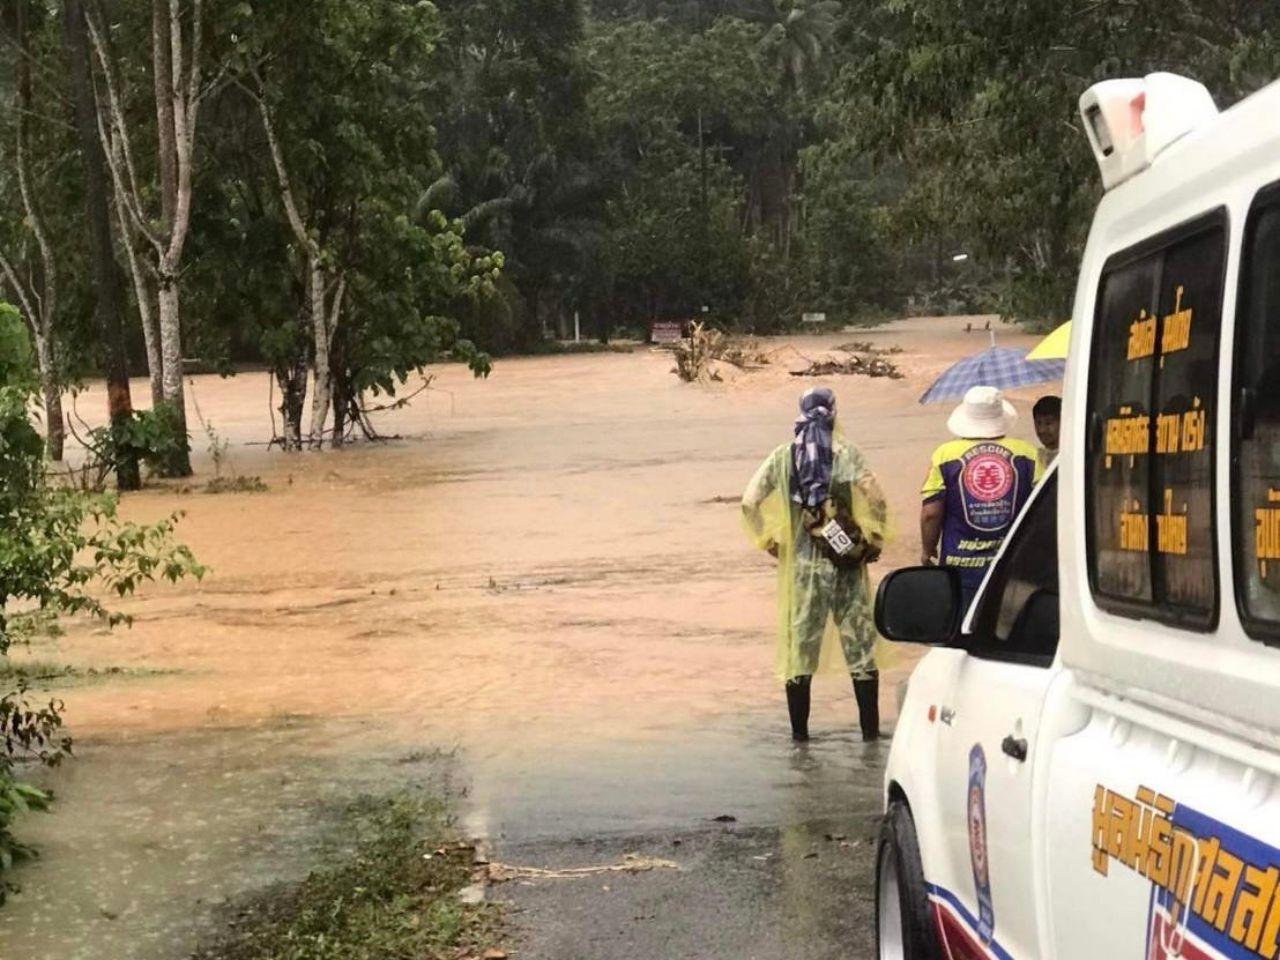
x=903 y=928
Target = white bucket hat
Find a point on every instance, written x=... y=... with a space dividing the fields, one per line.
x=984 y=415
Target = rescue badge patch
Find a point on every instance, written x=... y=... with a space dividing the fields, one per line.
x=988 y=486
x=988 y=477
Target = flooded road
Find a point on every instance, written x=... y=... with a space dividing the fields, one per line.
x=544 y=574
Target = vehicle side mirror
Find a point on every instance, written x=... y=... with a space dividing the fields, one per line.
x=920 y=605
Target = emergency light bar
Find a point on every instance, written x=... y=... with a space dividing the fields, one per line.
x=1131 y=122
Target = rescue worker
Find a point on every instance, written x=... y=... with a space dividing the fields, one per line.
x=1047 y=414
x=816 y=507
x=977 y=485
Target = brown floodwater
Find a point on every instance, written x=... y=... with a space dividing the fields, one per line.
x=544 y=574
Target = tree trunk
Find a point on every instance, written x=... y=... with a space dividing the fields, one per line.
x=55 y=424
x=324 y=317
x=42 y=308
x=167 y=158
x=341 y=405
x=534 y=328
x=108 y=285
x=147 y=318
x=292 y=380
x=171 y=357
x=166 y=131
x=323 y=394
x=174 y=195
x=170 y=337
x=155 y=362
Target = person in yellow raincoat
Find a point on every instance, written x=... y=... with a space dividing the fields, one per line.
x=793 y=498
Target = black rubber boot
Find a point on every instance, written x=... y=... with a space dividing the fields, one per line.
x=798 y=698
x=868 y=695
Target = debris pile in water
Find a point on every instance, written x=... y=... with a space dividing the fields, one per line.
x=866 y=346
x=700 y=356
x=859 y=364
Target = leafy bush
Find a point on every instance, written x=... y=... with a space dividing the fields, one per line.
x=154 y=438
x=60 y=550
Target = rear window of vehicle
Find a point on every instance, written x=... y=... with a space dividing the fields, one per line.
x=1152 y=395
x=1256 y=426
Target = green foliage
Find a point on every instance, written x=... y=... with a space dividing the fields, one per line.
x=359 y=163
x=481 y=170
x=517 y=145
x=16 y=798
x=61 y=551
x=977 y=104
x=17 y=373
x=54 y=182
x=873 y=140
x=394 y=895
x=409 y=326
x=154 y=438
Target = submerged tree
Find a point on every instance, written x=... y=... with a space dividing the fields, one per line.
x=177 y=72
x=349 y=170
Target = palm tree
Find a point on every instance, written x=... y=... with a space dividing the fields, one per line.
x=799 y=43
x=802 y=38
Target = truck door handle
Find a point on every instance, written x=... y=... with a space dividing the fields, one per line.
x=1015 y=747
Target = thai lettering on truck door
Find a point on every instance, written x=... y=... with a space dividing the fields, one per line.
x=1161 y=848
x=987 y=747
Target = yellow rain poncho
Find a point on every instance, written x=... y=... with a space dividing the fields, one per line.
x=812 y=592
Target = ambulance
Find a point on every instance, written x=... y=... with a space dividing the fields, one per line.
x=1087 y=763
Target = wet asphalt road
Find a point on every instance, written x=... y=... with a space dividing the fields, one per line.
x=791 y=877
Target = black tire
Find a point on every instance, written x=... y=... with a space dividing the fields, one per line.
x=899 y=850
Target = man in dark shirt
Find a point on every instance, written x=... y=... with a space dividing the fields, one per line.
x=1047 y=414
x=976 y=487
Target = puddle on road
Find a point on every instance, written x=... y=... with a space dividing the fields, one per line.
x=534 y=574
x=745 y=768
x=149 y=838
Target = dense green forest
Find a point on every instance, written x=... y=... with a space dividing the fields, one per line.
x=347 y=190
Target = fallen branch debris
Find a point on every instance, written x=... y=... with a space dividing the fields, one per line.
x=857 y=365
x=631 y=863
x=866 y=346
x=699 y=355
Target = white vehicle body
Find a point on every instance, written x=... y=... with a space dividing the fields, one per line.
x=1144 y=819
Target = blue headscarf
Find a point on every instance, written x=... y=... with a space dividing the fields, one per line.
x=812 y=450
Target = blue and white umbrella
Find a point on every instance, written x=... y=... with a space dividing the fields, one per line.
x=996 y=367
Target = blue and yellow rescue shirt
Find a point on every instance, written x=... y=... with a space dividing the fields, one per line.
x=983 y=485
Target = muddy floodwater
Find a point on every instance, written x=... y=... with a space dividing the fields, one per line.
x=542 y=577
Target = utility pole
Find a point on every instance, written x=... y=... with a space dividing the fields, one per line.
x=705 y=226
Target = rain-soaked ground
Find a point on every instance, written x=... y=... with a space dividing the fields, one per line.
x=545 y=580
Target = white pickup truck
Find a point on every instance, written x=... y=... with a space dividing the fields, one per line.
x=1087 y=765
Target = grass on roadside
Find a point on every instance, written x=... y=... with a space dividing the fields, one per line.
x=393 y=895
x=236 y=484
x=40 y=674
